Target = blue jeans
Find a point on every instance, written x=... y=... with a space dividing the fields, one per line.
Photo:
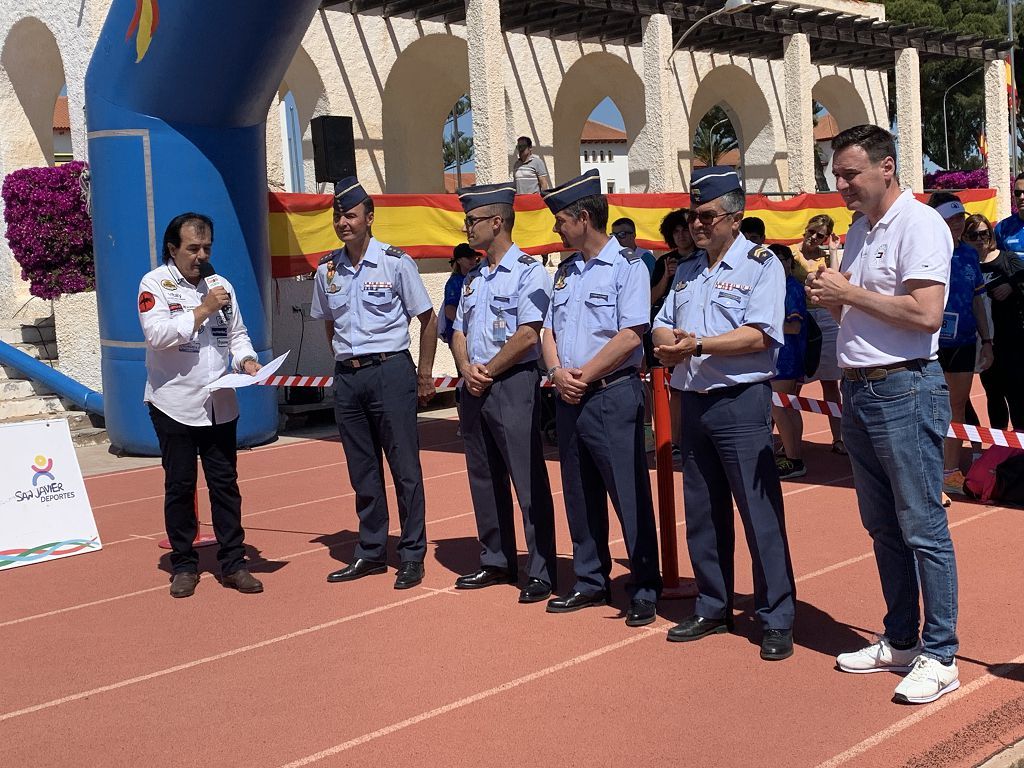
x=893 y=430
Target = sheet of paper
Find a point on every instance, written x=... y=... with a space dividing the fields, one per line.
x=238 y=380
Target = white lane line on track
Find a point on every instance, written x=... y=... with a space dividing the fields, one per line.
x=215 y=657
x=924 y=712
x=474 y=698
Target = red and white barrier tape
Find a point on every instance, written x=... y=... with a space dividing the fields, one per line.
x=963 y=431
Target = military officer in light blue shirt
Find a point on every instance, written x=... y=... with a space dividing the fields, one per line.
x=367 y=292
x=592 y=346
x=496 y=346
x=721 y=327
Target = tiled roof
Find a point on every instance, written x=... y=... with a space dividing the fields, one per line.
x=594 y=131
x=61 y=119
x=450 y=180
x=826 y=129
x=732 y=157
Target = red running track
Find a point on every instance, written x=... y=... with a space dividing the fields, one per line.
x=102 y=668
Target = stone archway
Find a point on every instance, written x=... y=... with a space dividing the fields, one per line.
x=428 y=77
x=738 y=93
x=31 y=78
x=842 y=100
x=307 y=88
x=590 y=79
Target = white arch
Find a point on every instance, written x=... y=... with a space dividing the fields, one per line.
x=739 y=94
x=428 y=77
x=842 y=100
x=587 y=82
x=307 y=87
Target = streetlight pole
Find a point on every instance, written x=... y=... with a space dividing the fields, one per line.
x=712 y=155
x=1013 y=89
x=731 y=6
x=945 y=129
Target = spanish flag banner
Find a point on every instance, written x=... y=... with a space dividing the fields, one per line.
x=429 y=226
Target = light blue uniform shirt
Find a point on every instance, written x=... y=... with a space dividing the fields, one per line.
x=495 y=302
x=371 y=305
x=593 y=300
x=746 y=287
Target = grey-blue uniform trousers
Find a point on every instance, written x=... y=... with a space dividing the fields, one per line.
x=501 y=427
x=727 y=433
x=375 y=403
x=601 y=440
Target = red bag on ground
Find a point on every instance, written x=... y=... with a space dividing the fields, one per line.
x=980 y=482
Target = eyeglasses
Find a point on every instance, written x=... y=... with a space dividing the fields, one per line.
x=978 y=234
x=472 y=221
x=1018 y=192
x=624 y=233
x=706 y=218
x=810 y=234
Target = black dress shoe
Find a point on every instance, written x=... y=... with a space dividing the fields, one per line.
x=641 y=613
x=696 y=627
x=409 y=575
x=777 y=644
x=487 y=576
x=357 y=570
x=574 y=601
x=535 y=591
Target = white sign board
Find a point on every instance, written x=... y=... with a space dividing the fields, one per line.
x=44 y=510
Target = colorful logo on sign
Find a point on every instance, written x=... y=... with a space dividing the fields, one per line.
x=42 y=467
x=143 y=26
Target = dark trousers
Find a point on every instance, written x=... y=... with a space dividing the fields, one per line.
x=601 y=445
x=217 y=449
x=1004 y=385
x=501 y=432
x=727 y=453
x=375 y=408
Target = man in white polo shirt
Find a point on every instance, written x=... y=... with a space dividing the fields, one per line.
x=888 y=297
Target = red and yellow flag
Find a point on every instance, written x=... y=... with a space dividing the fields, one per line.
x=429 y=226
x=983 y=146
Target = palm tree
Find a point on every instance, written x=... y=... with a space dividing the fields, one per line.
x=714 y=137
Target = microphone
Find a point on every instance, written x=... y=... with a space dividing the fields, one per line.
x=207 y=272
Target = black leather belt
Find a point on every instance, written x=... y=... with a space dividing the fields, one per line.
x=611 y=378
x=366 y=361
x=880 y=372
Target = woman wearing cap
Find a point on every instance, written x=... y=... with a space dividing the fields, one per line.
x=962 y=319
x=463 y=259
x=820 y=248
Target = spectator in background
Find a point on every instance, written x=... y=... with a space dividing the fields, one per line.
x=789 y=370
x=463 y=259
x=1009 y=232
x=624 y=230
x=752 y=228
x=1004 y=274
x=963 y=317
x=820 y=247
x=528 y=171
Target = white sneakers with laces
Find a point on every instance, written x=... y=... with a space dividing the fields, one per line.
x=928 y=680
x=878 y=657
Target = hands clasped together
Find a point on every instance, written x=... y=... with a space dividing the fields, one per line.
x=827 y=288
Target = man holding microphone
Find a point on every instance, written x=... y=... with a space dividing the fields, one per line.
x=193 y=330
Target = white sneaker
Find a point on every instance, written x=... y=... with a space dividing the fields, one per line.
x=928 y=680
x=878 y=657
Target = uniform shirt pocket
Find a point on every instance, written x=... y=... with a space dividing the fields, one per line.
x=507 y=308
x=379 y=302
x=601 y=314
x=730 y=306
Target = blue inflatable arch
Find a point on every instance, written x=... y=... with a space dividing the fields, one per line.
x=177 y=95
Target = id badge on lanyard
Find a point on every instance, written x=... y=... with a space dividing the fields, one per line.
x=498 y=329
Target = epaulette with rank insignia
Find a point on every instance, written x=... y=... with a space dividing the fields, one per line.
x=325 y=258
x=760 y=254
x=629 y=254
x=527 y=259
x=393 y=251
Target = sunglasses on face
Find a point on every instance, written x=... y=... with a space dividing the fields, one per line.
x=1017 y=192
x=472 y=221
x=978 y=234
x=624 y=233
x=810 y=234
x=706 y=218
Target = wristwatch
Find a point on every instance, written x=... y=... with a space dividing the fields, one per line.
x=550 y=374
x=699 y=349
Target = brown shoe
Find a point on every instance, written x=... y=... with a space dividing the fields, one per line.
x=243 y=581
x=184 y=584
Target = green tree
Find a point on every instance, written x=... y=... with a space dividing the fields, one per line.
x=965 y=102
x=458 y=138
x=714 y=136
